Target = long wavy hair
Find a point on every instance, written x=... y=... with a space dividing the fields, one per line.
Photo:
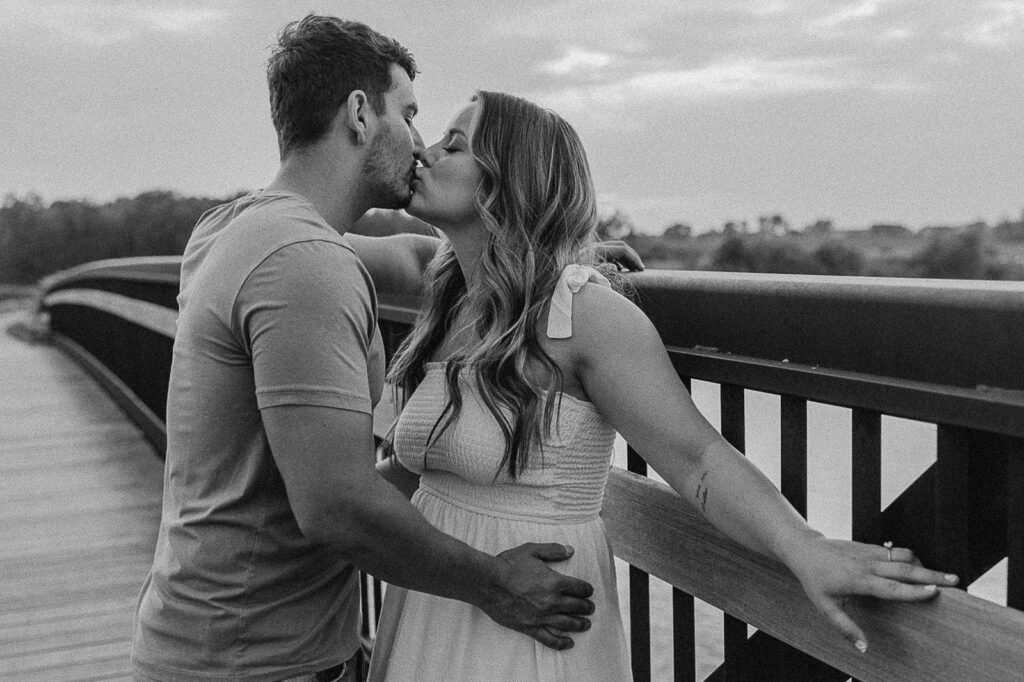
x=537 y=203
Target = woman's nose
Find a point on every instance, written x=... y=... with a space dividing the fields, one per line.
x=426 y=156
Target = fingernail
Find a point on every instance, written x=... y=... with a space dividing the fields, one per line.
x=861 y=645
x=569 y=550
x=930 y=588
x=586 y=624
x=951 y=578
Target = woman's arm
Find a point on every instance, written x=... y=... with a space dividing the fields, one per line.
x=396 y=261
x=625 y=370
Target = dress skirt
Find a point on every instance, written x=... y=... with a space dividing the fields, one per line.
x=424 y=637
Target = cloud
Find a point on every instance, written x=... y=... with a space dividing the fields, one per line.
x=737 y=77
x=1001 y=23
x=845 y=14
x=107 y=23
x=747 y=76
x=575 y=59
x=896 y=34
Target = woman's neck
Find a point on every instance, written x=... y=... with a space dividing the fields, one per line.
x=468 y=243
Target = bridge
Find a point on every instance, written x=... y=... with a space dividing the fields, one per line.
x=80 y=478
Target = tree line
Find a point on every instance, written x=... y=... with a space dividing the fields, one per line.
x=37 y=239
x=975 y=251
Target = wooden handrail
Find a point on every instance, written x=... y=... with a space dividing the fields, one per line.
x=157 y=318
x=953 y=637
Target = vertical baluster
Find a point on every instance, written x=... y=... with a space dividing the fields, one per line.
x=684 y=659
x=867 y=476
x=952 y=500
x=790 y=663
x=364 y=598
x=1015 y=524
x=794 y=452
x=733 y=426
x=377 y=601
x=866 y=470
x=684 y=636
x=639 y=599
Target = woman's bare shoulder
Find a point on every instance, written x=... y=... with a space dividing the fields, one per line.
x=599 y=310
x=605 y=324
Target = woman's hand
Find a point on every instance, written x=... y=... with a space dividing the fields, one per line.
x=617 y=254
x=832 y=570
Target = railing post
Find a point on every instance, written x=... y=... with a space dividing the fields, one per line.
x=866 y=470
x=684 y=637
x=684 y=634
x=952 y=503
x=793 y=446
x=1015 y=524
x=788 y=662
x=973 y=482
x=639 y=598
x=737 y=666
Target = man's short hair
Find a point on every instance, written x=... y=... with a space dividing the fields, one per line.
x=318 y=62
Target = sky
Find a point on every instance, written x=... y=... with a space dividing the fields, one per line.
x=693 y=111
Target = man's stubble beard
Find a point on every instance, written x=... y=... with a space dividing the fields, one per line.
x=387 y=180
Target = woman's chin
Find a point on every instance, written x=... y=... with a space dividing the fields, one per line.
x=411 y=210
x=416 y=208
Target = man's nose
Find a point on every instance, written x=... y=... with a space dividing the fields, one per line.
x=417 y=143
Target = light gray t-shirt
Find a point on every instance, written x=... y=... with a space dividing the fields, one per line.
x=274 y=309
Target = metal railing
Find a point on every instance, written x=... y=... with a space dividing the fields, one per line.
x=941 y=352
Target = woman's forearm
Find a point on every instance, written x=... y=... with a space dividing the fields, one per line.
x=739 y=500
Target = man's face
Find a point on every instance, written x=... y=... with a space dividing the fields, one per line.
x=391 y=161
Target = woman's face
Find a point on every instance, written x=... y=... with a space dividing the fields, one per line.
x=446 y=184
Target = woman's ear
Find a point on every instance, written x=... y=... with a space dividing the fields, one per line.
x=356 y=110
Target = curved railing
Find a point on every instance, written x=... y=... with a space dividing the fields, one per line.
x=939 y=352
x=117 y=318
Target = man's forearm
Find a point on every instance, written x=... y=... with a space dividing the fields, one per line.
x=376 y=529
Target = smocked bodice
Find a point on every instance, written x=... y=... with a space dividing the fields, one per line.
x=564 y=480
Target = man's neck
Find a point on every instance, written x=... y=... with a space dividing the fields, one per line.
x=333 y=191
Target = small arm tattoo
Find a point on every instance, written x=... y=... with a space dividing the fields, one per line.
x=702 y=492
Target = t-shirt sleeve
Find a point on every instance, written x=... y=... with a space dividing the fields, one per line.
x=306 y=317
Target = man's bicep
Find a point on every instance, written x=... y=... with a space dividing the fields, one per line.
x=323 y=453
x=307 y=316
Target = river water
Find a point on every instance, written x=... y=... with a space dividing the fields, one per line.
x=908 y=448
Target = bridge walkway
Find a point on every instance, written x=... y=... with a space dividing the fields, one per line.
x=80 y=493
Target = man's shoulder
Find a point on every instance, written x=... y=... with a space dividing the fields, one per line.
x=281 y=218
x=250 y=229
x=269 y=234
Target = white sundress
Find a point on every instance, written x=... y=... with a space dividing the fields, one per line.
x=558 y=499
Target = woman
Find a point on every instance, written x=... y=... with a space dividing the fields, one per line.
x=524 y=366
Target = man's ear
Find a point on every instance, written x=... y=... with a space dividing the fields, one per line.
x=357 y=110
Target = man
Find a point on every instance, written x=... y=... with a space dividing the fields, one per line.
x=271 y=499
